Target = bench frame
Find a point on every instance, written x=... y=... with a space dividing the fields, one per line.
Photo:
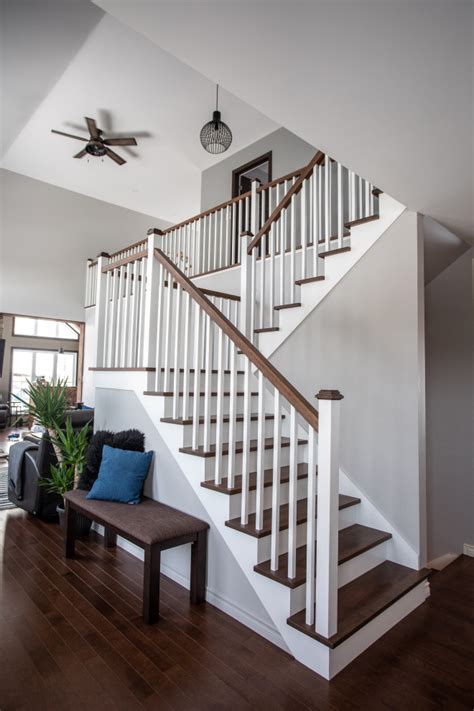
x=151 y=579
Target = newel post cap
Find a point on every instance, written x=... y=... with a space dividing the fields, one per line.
x=103 y=254
x=155 y=231
x=329 y=395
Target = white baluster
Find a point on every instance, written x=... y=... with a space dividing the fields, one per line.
x=311 y=528
x=208 y=385
x=100 y=311
x=219 y=406
x=327 y=512
x=232 y=416
x=275 y=533
x=244 y=513
x=340 y=207
x=151 y=300
x=327 y=203
x=198 y=323
x=260 y=454
x=292 y=494
x=118 y=329
x=304 y=229
x=160 y=326
x=186 y=355
x=176 y=356
x=167 y=333
x=292 y=251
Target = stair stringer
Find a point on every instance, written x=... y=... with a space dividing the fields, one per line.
x=336 y=266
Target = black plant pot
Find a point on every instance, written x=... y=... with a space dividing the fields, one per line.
x=83 y=524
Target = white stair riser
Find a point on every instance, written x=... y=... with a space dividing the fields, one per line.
x=168 y=407
x=267 y=461
x=188 y=432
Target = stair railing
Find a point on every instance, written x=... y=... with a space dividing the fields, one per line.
x=312 y=219
x=205 y=387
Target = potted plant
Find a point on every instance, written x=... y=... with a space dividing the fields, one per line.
x=47 y=404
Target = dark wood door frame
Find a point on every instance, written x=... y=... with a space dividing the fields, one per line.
x=247 y=166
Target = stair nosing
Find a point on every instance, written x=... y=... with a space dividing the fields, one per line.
x=222 y=489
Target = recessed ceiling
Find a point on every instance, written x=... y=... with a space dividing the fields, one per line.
x=131 y=87
x=384 y=87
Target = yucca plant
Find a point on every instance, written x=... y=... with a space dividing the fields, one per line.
x=46 y=402
x=72 y=446
x=60 y=480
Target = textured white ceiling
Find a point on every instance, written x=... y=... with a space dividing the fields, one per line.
x=132 y=87
x=385 y=86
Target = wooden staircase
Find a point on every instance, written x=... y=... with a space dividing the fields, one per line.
x=260 y=458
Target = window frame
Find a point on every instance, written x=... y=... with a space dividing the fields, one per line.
x=55 y=363
x=45 y=338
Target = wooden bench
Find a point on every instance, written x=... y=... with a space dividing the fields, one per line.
x=154 y=527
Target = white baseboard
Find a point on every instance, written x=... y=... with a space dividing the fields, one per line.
x=468 y=549
x=222 y=603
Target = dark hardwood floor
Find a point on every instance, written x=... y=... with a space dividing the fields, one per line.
x=71 y=637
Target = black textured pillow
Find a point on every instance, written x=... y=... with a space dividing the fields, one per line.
x=133 y=440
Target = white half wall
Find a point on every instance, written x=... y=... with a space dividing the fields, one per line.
x=449 y=312
x=46 y=235
x=364 y=339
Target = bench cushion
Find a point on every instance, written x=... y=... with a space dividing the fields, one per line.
x=148 y=522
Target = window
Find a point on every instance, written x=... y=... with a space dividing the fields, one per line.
x=45 y=328
x=29 y=364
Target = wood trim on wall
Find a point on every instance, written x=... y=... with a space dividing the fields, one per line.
x=247 y=166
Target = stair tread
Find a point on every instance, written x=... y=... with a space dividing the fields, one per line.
x=226 y=418
x=281 y=307
x=302 y=473
x=249 y=528
x=330 y=252
x=239 y=446
x=202 y=370
x=170 y=393
x=362 y=220
x=364 y=598
x=353 y=541
x=308 y=280
x=268 y=329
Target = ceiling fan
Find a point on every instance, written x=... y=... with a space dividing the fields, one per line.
x=97 y=145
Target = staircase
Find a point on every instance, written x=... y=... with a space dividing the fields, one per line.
x=331 y=572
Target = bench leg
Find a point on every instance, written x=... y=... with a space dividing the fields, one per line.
x=151 y=585
x=198 y=568
x=70 y=532
x=110 y=538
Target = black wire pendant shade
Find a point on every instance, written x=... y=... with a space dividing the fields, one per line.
x=215 y=135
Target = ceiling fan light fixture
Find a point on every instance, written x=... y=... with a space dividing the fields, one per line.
x=215 y=135
x=96 y=148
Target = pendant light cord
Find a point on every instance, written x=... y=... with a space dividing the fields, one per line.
x=217 y=97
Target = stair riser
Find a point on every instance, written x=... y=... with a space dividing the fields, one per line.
x=267 y=461
x=213 y=405
x=346 y=518
x=236 y=499
x=188 y=432
x=202 y=380
x=347 y=572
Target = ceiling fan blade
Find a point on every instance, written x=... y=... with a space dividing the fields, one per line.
x=93 y=130
x=81 y=154
x=120 y=142
x=115 y=157
x=69 y=135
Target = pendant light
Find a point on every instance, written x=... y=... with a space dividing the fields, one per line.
x=216 y=136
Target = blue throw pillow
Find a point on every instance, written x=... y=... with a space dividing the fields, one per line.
x=121 y=475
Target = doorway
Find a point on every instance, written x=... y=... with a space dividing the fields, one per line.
x=258 y=169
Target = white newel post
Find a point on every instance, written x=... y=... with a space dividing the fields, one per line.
x=151 y=299
x=327 y=525
x=246 y=286
x=100 y=311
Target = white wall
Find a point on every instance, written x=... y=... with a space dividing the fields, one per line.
x=227 y=584
x=289 y=152
x=46 y=235
x=449 y=408
x=364 y=339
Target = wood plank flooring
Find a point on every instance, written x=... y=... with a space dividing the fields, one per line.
x=71 y=637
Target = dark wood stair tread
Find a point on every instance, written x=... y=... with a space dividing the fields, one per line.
x=203 y=370
x=225 y=419
x=287 y=306
x=302 y=473
x=239 y=447
x=330 y=252
x=309 y=280
x=268 y=329
x=301 y=517
x=364 y=598
x=362 y=220
x=353 y=541
x=170 y=393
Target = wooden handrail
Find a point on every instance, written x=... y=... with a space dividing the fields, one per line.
x=126 y=260
x=317 y=159
x=222 y=205
x=301 y=405
x=130 y=246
